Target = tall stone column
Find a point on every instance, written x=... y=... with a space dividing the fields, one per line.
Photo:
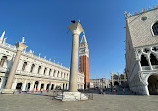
x=20 y=47
x=73 y=94
x=39 y=86
x=24 y=85
x=32 y=85
x=76 y=29
x=45 y=86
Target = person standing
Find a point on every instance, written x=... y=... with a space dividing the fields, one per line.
x=41 y=90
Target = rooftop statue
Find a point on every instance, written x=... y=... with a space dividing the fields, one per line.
x=23 y=40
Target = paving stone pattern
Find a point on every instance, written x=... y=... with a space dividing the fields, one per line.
x=44 y=102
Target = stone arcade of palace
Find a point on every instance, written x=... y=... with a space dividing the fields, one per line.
x=33 y=72
x=142 y=51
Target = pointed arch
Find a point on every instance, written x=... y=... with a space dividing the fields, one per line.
x=155 y=29
x=153 y=59
x=144 y=61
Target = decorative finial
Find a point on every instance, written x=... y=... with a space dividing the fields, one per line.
x=150 y=8
x=44 y=57
x=1 y=39
x=143 y=10
x=39 y=54
x=129 y=14
x=136 y=12
x=23 y=40
x=4 y=40
x=30 y=52
x=83 y=33
x=125 y=13
x=79 y=21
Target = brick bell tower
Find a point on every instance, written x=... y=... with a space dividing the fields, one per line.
x=84 y=60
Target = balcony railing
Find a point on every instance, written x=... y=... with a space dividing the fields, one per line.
x=145 y=67
x=39 y=75
x=155 y=66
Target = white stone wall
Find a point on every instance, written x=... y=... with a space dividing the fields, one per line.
x=140 y=31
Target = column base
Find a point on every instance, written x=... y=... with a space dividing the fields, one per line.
x=7 y=91
x=72 y=96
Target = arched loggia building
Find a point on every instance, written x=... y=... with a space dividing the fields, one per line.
x=33 y=72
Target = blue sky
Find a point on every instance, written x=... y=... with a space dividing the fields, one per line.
x=44 y=26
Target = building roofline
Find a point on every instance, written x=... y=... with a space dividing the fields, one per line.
x=140 y=12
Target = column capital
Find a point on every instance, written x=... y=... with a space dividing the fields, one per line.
x=20 y=46
x=76 y=28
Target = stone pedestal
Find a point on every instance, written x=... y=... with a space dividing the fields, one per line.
x=7 y=91
x=72 y=96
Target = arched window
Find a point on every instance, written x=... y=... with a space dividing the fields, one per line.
x=61 y=74
x=24 y=66
x=153 y=60
x=3 y=60
x=50 y=71
x=39 y=68
x=143 y=61
x=155 y=28
x=67 y=76
x=54 y=73
x=64 y=75
x=32 y=67
x=58 y=74
x=45 y=71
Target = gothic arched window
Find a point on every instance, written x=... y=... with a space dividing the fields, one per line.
x=155 y=28
x=24 y=66
x=144 y=61
x=4 y=58
x=153 y=59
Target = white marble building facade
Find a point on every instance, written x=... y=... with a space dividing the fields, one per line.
x=100 y=83
x=142 y=51
x=33 y=72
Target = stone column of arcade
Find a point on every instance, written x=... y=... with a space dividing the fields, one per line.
x=73 y=94
x=20 y=47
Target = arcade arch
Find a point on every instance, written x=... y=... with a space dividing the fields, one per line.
x=153 y=85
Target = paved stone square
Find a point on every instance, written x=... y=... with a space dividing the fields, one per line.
x=44 y=102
